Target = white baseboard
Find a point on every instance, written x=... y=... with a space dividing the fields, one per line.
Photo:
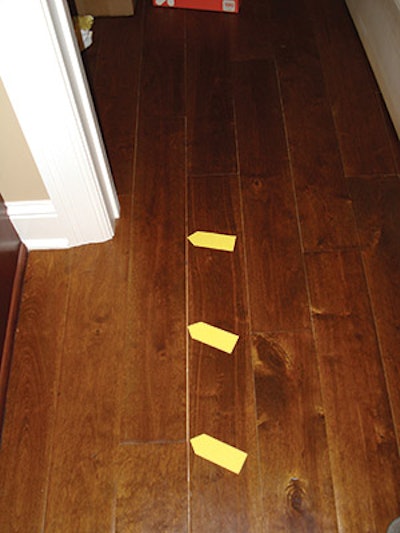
x=37 y=224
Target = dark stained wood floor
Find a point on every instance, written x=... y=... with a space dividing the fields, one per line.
x=269 y=125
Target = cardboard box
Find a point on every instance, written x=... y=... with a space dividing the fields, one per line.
x=105 y=8
x=227 y=6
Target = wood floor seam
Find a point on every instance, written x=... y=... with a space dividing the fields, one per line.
x=266 y=125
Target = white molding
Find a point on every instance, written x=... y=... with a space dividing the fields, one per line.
x=31 y=209
x=42 y=72
x=37 y=224
x=51 y=243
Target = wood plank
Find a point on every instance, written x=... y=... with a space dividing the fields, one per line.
x=323 y=202
x=261 y=136
x=27 y=437
x=362 y=445
x=352 y=90
x=162 y=90
x=81 y=480
x=210 y=124
x=221 y=385
x=377 y=207
x=154 y=397
x=277 y=288
x=124 y=374
x=152 y=488
x=250 y=36
x=115 y=86
x=297 y=484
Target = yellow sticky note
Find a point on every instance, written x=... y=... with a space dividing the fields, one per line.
x=219 y=452
x=215 y=241
x=213 y=336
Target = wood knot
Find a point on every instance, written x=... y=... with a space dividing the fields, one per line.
x=258 y=189
x=295 y=495
x=269 y=357
x=272 y=375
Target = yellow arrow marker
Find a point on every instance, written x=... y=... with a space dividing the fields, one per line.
x=216 y=241
x=218 y=452
x=213 y=336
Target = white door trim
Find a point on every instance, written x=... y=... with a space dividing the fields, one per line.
x=42 y=72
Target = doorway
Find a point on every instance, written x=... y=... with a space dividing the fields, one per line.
x=46 y=83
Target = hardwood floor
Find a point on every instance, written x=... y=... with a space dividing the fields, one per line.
x=268 y=125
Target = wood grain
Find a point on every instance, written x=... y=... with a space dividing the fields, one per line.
x=260 y=127
x=211 y=147
x=297 y=485
x=81 y=479
x=107 y=387
x=376 y=204
x=362 y=444
x=277 y=288
x=33 y=387
x=322 y=197
x=221 y=392
x=113 y=66
x=250 y=36
x=152 y=488
x=352 y=89
x=154 y=397
x=163 y=77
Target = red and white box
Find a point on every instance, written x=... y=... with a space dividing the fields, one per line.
x=227 y=6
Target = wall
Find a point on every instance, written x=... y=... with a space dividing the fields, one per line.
x=19 y=176
x=378 y=24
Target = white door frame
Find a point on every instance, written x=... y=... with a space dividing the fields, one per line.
x=42 y=71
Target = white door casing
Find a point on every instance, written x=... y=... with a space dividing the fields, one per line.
x=42 y=71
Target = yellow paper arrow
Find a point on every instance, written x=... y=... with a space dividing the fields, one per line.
x=213 y=336
x=215 y=241
x=218 y=452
